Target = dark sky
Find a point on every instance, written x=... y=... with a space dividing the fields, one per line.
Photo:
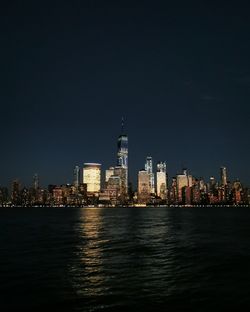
x=179 y=74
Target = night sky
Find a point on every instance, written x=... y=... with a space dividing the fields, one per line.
x=179 y=74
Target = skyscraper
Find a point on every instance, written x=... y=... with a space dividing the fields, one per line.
x=36 y=181
x=122 y=154
x=114 y=188
x=15 y=192
x=223 y=176
x=76 y=176
x=161 y=180
x=122 y=173
x=143 y=187
x=173 y=192
x=183 y=180
x=92 y=177
x=149 y=169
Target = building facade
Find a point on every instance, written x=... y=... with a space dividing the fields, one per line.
x=149 y=169
x=108 y=173
x=92 y=177
x=184 y=182
x=144 y=189
x=161 y=180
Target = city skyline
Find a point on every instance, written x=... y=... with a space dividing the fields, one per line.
x=151 y=167
x=154 y=186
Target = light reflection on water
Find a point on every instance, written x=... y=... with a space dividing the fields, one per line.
x=88 y=276
x=124 y=259
x=124 y=252
x=141 y=259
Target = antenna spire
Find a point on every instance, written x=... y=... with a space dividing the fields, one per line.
x=122 y=124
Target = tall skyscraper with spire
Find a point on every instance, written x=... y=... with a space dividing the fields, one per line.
x=122 y=155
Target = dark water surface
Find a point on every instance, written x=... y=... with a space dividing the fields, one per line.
x=126 y=259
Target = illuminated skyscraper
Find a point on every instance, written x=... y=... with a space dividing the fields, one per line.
x=122 y=154
x=76 y=176
x=114 y=188
x=161 y=180
x=183 y=180
x=149 y=169
x=223 y=176
x=92 y=177
x=36 y=181
x=143 y=187
x=173 y=192
x=122 y=173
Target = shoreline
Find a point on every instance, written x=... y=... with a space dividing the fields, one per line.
x=130 y=206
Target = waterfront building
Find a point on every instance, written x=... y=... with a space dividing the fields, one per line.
x=173 y=193
x=183 y=180
x=33 y=191
x=186 y=195
x=202 y=185
x=114 y=189
x=149 y=169
x=246 y=195
x=237 y=192
x=67 y=193
x=92 y=177
x=24 y=197
x=144 y=187
x=221 y=194
x=76 y=181
x=57 y=195
x=82 y=194
x=15 y=192
x=223 y=189
x=122 y=174
x=196 y=191
x=4 y=195
x=42 y=196
x=114 y=183
x=212 y=184
x=161 y=180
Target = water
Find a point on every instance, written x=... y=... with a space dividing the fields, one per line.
x=110 y=259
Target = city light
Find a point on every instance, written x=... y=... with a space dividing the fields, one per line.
x=182 y=190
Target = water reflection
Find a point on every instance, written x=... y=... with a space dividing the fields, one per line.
x=122 y=252
x=87 y=269
x=125 y=259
